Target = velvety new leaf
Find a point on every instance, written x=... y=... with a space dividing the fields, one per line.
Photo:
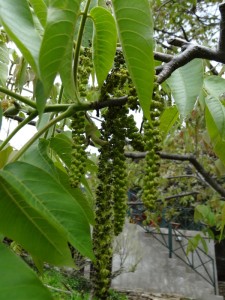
x=17 y=280
x=4 y=63
x=22 y=32
x=49 y=197
x=135 y=27
x=186 y=85
x=22 y=220
x=104 y=42
x=58 y=34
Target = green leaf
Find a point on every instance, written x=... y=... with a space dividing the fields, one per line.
x=21 y=221
x=21 y=31
x=79 y=196
x=59 y=32
x=204 y=213
x=215 y=86
x=88 y=28
x=17 y=280
x=62 y=145
x=104 y=42
x=217 y=142
x=4 y=156
x=186 y=84
x=66 y=73
x=4 y=63
x=1 y=116
x=46 y=195
x=167 y=120
x=217 y=111
x=135 y=27
x=37 y=155
x=40 y=9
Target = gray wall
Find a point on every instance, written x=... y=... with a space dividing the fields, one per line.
x=154 y=270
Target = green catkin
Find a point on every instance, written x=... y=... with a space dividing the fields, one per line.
x=78 y=155
x=135 y=137
x=84 y=70
x=119 y=174
x=111 y=195
x=103 y=230
x=152 y=146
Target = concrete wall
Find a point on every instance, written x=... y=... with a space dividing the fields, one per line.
x=154 y=270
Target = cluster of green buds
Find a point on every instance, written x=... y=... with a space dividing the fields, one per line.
x=133 y=134
x=110 y=196
x=119 y=83
x=104 y=217
x=78 y=155
x=84 y=70
x=153 y=140
x=117 y=119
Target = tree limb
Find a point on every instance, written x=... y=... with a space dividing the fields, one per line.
x=211 y=181
x=191 y=51
x=166 y=198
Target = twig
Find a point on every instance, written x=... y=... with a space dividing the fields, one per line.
x=191 y=51
x=211 y=181
x=166 y=198
x=58 y=290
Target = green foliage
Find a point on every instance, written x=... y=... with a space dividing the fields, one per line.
x=21 y=30
x=217 y=111
x=104 y=42
x=215 y=137
x=186 y=84
x=4 y=62
x=135 y=27
x=62 y=47
x=215 y=86
x=4 y=156
x=40 y=9
x=193 y=243
x=59 y=32
x=167 y=120
x=18 y=281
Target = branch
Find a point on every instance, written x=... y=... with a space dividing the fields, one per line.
x=58 y=290
x=191 y=51
x=18 y=97
x=87 y=106
x=212 y=182
x=166 y=198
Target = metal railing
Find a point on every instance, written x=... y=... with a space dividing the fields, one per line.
x=202 y=263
